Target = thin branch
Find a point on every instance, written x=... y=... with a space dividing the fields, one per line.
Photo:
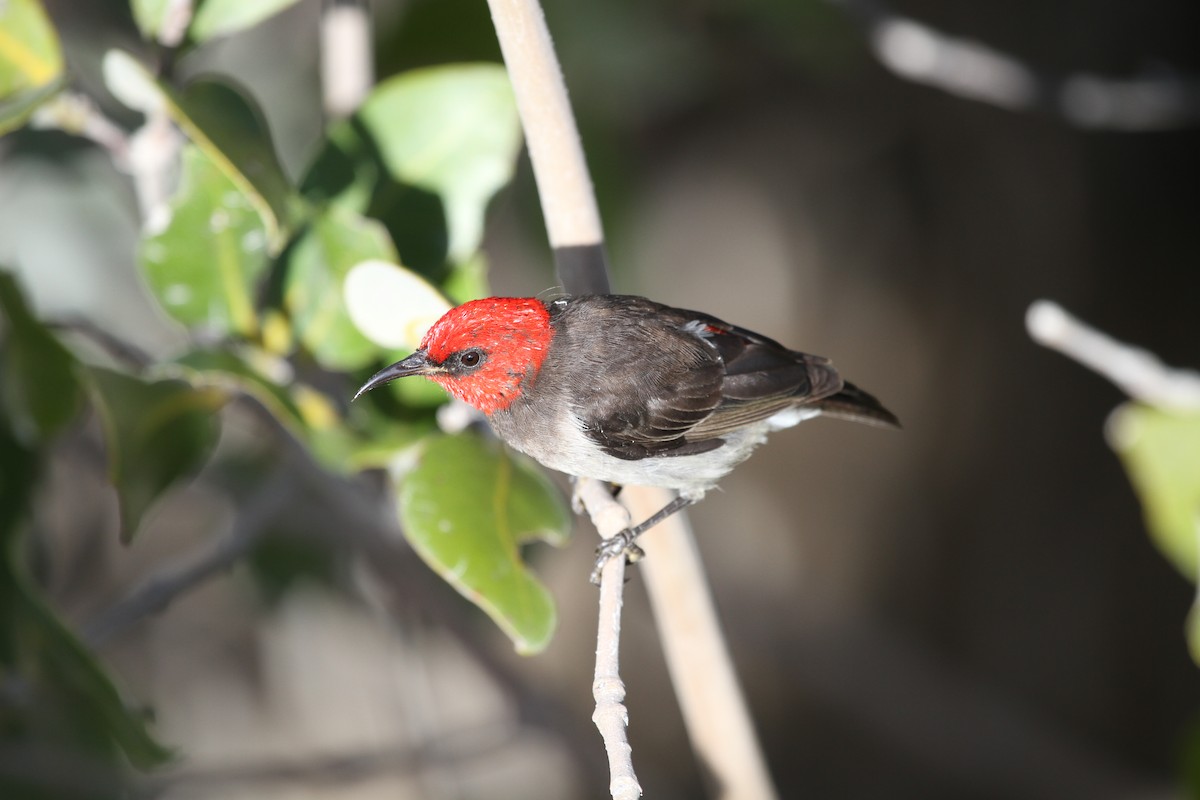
x=573 y=225
x=1139 y=373
x=79 y=115
x=611 y=717
x=922 y=54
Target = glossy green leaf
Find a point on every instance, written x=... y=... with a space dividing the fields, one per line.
x=31 y=61
x=206 y=264
x=452 y=131
x=467 y=507
x=336 y=241
x=157 y=433
x=226 y=125
x=223 y=17
x=40 y=390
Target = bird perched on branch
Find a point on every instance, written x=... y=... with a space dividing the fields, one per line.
x=626 y=390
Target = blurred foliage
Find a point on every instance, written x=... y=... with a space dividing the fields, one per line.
x=31 y=60
x=255 y=269
x=1160 y=449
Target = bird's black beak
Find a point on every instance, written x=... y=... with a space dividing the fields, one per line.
x=416 y=364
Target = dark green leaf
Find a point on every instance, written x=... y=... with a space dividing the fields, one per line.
x=230 y=127
x=40 y=391
x=467 y=507
x=54 y=691
x=313 y=293
x=206 y=264
x=157 y=433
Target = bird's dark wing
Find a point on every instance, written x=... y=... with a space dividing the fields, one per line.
x=762 y=378
x=646 y=389
x=678 y=380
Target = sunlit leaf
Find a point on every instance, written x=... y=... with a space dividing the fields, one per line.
x=224 y=123
x=467 y=507
x=40 y=390
x=149 y=15
x=391 y=305
x=31 y=61
x=223 y=17
x=157 y=432
x=452 y=131
x=336 y=241
x=206 y=264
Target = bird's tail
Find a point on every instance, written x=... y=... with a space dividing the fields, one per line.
x=854 y=404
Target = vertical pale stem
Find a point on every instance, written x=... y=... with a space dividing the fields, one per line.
x=347 y=71
x=564 y=184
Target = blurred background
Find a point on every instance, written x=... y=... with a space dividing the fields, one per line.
x=968 y=608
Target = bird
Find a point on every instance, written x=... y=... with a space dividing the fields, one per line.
x=626 y=390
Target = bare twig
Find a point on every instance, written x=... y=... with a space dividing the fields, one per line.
x=611 y=716
x=1137 y=372
x=79 y=115
x=714 y=709
x=922 y=54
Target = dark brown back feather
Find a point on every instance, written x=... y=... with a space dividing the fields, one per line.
x=676 y=381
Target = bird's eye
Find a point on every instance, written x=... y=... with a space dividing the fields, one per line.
x=470 y=358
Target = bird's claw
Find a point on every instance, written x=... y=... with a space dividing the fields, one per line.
x=616 y=546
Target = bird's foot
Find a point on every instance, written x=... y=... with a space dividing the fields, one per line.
x=620 y=545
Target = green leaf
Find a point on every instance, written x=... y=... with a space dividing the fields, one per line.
x=31 y=61
x=157 y=433
x=149 y=15
x=224 y=123
x=40 y=391
x=223 y=17
x=452 y=131
x=205 y=265
x=1161 y=453
x=313 y=291
x=466 y=508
